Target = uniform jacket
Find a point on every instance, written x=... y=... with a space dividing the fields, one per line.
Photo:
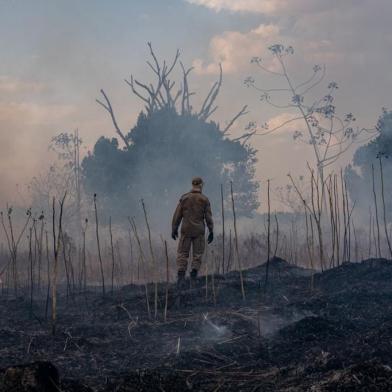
x=193 y=210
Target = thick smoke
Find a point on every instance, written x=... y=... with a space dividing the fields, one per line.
x=372 y=162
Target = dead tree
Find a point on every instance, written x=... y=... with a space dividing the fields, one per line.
x=223 y=230
x=111 y=253
x=268 y=235
x=236 y=243
x=13 y=242
x=142 y=259
x=99 y=245
x=56 y=249
x=328 y=134
x=383 y=208
x=163 y=94
x=376 y=213
x=314 y=207
x=154 y=265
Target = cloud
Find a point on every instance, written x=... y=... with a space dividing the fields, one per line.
x=25 y=131
x=18 y=114
x=234 y=49
x=282 y=122
x=282 y=126
x=269 y=7
x=341 y=34
x=321 y=52
x=259 y=6
x=321 y=33
x=12 y=85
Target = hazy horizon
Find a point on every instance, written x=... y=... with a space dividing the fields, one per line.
x=58 y=55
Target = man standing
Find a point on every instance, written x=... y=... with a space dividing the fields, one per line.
x=193 y=210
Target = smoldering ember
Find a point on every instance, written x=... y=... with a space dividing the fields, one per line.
x=215 y=217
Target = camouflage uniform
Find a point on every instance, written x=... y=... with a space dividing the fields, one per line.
x=193 y=210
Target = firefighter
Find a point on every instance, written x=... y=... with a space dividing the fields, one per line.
x=194 y=211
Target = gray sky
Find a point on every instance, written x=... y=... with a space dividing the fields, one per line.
x=56 y=55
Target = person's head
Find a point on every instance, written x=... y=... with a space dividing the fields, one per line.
x=197 y=182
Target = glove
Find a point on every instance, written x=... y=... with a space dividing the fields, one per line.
x=174 y=234
x=210 y=237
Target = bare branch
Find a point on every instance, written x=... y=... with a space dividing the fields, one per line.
x=206 y=111
x=210 y=113
x=245 y=137
x=300 y=194
x=207 y=98
x=176 y=57
x=279 y=106
x=316 y=83
x=145 y=87
x=131 y=84
x=311 y=79
x=268 y=70
x=185 y=106
x=242 y=112
x=279 y=126
x=109 y=108
x=270 y=90
x=153 y=69
x=158 y=68
x=152 y=101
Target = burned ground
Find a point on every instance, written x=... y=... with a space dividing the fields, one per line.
x=287 y=337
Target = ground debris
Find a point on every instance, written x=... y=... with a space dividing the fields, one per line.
x=32 y=377
x=334 y=337
x=369 y=376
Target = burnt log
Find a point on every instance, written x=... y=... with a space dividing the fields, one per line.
x=38 y=376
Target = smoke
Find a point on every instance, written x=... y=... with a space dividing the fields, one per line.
x=270 y=323
x=265 y=323
x=213 y=331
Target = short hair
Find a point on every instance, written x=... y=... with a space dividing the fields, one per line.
x=197 y=181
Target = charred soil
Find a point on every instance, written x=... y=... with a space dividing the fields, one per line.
x=286 y=336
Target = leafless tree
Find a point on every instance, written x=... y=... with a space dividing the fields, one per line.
x=164 y=93
x=13 y=242
x=328 y=134
x=315 y=207
x=63 y=175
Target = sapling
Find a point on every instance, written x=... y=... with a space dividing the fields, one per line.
x=236 y=242
x=47 y=275
x=268 y=234
x=167 y=282
x=141 y=254
x=120 y=271
x=383 y=207
x=154 y=266
x=40 y=248
x=337 y=219
x=229 y=258
x=64 y=249
x=84 y=266
x=277 y=235
x=56 y=248
x=31 y=270
x=13 y=244
x=131 y=261
x=376 y=213
x=98 y=244
x=111 y=252
x=223 y=230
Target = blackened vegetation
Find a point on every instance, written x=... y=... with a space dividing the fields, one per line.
x=359 y=175
x=171 y=142
x=336 y=337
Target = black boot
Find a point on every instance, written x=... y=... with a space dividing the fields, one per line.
x=193 y=278
x=181 y=283
x=180 y=280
